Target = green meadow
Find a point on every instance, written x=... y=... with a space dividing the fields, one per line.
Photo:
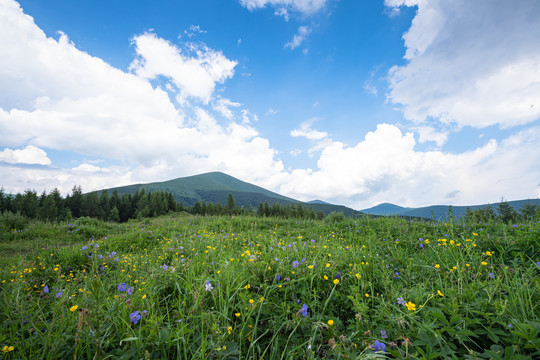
x=245 y=287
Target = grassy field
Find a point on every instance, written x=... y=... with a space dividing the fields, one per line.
x=262 y=288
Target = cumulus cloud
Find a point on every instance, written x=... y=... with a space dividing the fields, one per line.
x=385 y=166
x=64 y=99
x=298 y=39
x=194 y=70
x=28 y=155
x=471 y=63
x=305 y=7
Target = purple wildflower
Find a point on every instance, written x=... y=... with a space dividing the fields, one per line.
x=59 y=295
x=383 y=334
x=295 y=264
x=165 y=267
x=134 y=317
x=208 y=286
x=46 y=289
x=130 y=290
x=145 y=313
x=401 y=301
x=121 y=287
x=278 y=277
x=303 y=311
x=490 y=275
x=396 y=275
x=84 y=248
x=378 y=346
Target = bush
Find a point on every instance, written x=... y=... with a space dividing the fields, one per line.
x=12 y=221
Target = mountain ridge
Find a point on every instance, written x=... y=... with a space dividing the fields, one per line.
x=215 y=187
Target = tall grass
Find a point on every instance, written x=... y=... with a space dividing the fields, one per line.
x=246 y=287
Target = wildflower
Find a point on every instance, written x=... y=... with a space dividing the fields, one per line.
x=338 y=275
x=7 y=349
x=295 y=264
x=59 y=295
x=490 y=275
x=484 y=263
x=357 y=275
x=330 y=322
x=325 y=277
x=437 y=266
x=145 y=312
x=100 y=256
x=538 y=263
x=378 y=346
x=303 y=311
x=383 y=334
x=278 y=277
x=366 y=295
x=327 y=265
x=237 y=314
x=144 y=296
x=84 y=248
x=410 y=306
x=121 y=287
x=396 y=275
x=130 y=290
x=251 y=301
x=440 y=293
x=134 y=317
x=208 y=286
x=73 y=308
x=46 y=289
x=229 y=330
x=165 y=267
x=336 y=281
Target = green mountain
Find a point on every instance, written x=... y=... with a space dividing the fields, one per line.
x=215 y=187
x=439 y=212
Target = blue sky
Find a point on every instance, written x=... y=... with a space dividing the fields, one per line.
x=414 y=102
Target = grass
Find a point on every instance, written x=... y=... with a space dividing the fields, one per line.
x=263 y=288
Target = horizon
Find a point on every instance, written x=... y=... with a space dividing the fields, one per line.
x=416 y=103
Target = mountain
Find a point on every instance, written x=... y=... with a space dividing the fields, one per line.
x=215 y=187
x=386 y=209
x=439 y=212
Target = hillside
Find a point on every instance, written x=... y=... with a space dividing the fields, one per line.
x=439 y=212
x=215 y=187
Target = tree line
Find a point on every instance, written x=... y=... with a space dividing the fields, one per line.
x=100 y=205
x=297 y=211
x=53 y=207
x=504 y=213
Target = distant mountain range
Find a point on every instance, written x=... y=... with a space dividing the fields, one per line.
x=215 y=187
x=439 y=212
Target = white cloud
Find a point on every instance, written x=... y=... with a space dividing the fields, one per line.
x=87 y=168
x=306 y=131
x=55 y=96
x=370 y=89
x=28 y=155
x=474 y=63
x=194 y=70
x=298 y=39
x=386 y=167
x=223 y=106
x=428 y=133
x=305 y=7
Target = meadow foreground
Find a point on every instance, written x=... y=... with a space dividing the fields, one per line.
x=266 y=288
